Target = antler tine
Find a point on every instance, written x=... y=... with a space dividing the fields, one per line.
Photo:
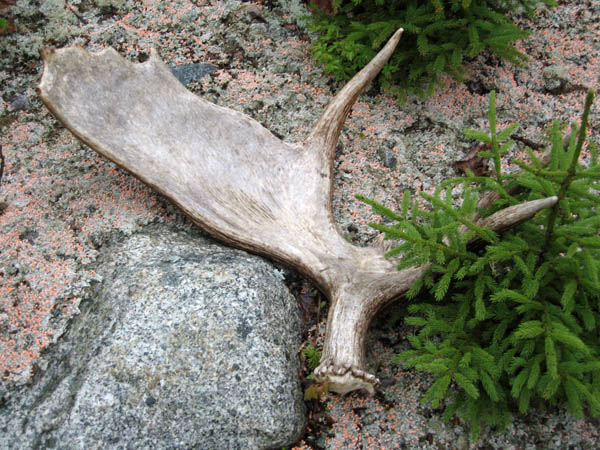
x=327 y=129
x=513 y=215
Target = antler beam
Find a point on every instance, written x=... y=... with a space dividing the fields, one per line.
x=239 y=182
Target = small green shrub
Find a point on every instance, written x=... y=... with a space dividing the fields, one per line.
x=438 y=35
x=513 y=323
x=313 y=357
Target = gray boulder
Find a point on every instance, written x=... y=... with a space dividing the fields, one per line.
x=185 y=344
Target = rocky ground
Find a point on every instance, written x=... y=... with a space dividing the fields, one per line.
x=60 y=202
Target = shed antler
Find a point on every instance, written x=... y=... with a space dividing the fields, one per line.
x=238 y=181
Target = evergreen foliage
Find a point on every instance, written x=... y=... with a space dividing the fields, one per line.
x=438 y=35
x=313 y=357
x=512 y=324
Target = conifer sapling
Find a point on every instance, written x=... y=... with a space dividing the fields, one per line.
x=513 y=323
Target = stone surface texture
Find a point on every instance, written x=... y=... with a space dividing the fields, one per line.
x=185 y=344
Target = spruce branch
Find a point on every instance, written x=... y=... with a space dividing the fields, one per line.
x=572 y=171
x=536 y=319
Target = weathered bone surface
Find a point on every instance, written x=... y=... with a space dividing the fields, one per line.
x=239 y=182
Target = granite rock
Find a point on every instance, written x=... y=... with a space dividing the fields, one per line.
x=556 y=79
x=184 y=344
x=192 y=72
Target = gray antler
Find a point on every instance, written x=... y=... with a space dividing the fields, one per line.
x=239 y=182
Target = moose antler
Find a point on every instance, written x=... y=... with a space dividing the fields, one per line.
x=239 y=182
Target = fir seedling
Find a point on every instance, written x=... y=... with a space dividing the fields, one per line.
x=438 y=36
x=313 y=357
x=507 y=321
